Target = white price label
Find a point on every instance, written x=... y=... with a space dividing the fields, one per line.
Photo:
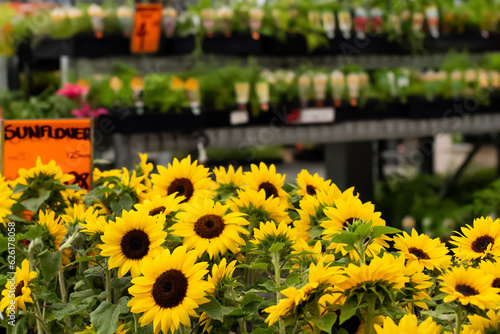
x=239 y=117
x=317 y=115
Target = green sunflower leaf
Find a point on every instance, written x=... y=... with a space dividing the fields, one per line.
x=105 y=317
x=378 y=231
x=349 y=239
x=327 y=322
x=276 y=247
x=213 y=309
x=347 y=311
x=33 y=204
x=50 y=262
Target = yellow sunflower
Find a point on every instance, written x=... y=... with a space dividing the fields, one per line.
x=133 y=238
x=383 y=270
x=97 y=175
x=269 y=233
x=50 y=171
x=309 y=185
x=133 y=184
x=303 y=254
x=408 y=324
x=206 y=227
x=470 y=286
x=230 y=178
x=312 y=210
x=258 y=208
x=479 y=240
x=347 y=212
x=183 y=179
x=161 y=207
x=56 y=230
x=321 y=279
x=94 y=224
x=144 y=169
x=263 y=178
x=222 y=273
x=6 y=201
x=170 y=290
x=78 y=214
x=418 y=283
x=492 y=268
x=427 y=252
x=17 y=292
x=72 y=197
x=478 y=323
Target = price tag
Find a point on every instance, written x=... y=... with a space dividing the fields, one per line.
x=317 y=115
x=238 y=117
x=66 y=141
x=147 y=28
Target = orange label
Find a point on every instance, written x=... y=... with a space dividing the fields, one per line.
x=66 y=141
x=147 y=28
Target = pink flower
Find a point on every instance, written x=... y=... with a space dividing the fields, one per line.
x=86 y=112
x=73 y=91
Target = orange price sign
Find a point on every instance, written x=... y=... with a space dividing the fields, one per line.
x=147 y=28
x=66 y=141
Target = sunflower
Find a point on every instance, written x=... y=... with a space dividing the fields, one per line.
x=303 y=254
x=94 y=224
x=408 y=324
x=478 y=241
x=78 y=214
x=222 y=273
x=427 y=252
x=269 y=234
x=170 y=290
x=52 y=224
x=346 y=213
x=418 y=284
x=133 y=185
x=312 y=210
x=144 y=169
x=263 y=178
x=90 y=330
x=130 y=240
x=49 y=171
x=470 y=286
x=230 y=178
x=481 y=324
x=206 y=227
x=258 y=208
x=20 y=287
x=381 y=270
x=309 y=185
x=492 y=268
x=72 y=197
x=161 y=207
x=5 y=200
x=183 y=179
x=97 y=175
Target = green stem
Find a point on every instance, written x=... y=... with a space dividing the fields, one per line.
x=136 y=325
x=362 y=259
x=68 y=242
x=243 y=327
x=458 y=328
x=108 y=285
x=40 y=322
x=277 y=274
x=369 y=316
x=62 y=285
x=182 y=329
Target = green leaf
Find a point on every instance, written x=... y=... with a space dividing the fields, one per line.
x=378 y=231
x=173 y=238
x=105 y=317
x=73 y=187
x=345 y=238
x=125 y=203
x=146 y=329
x=363 y=230
x=62 y=310
x=34 y=231
x=33 y=204
x=327 y=322
x=85 y=296
x=347 y=311
x=94 y=271
x=213 y=309
x=268 y=330
x=292 y=279
x=315 y=232
x=250 y=298
x=22 y=326
x=255 y=265
x=50 y=263
x=276 y=247
x=19 y=188
x=47 y=296
x=17 y=219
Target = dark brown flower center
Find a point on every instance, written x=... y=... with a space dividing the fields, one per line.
x=311 y=190
x=466 y=290
x=480 y=245
x=269 y=188
x=157 y=211
x=496 y=283
x=135 y=244
x=209 y=226
x=19 y=289
x=183 y=187
x=420 y=254
x=170 y=288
